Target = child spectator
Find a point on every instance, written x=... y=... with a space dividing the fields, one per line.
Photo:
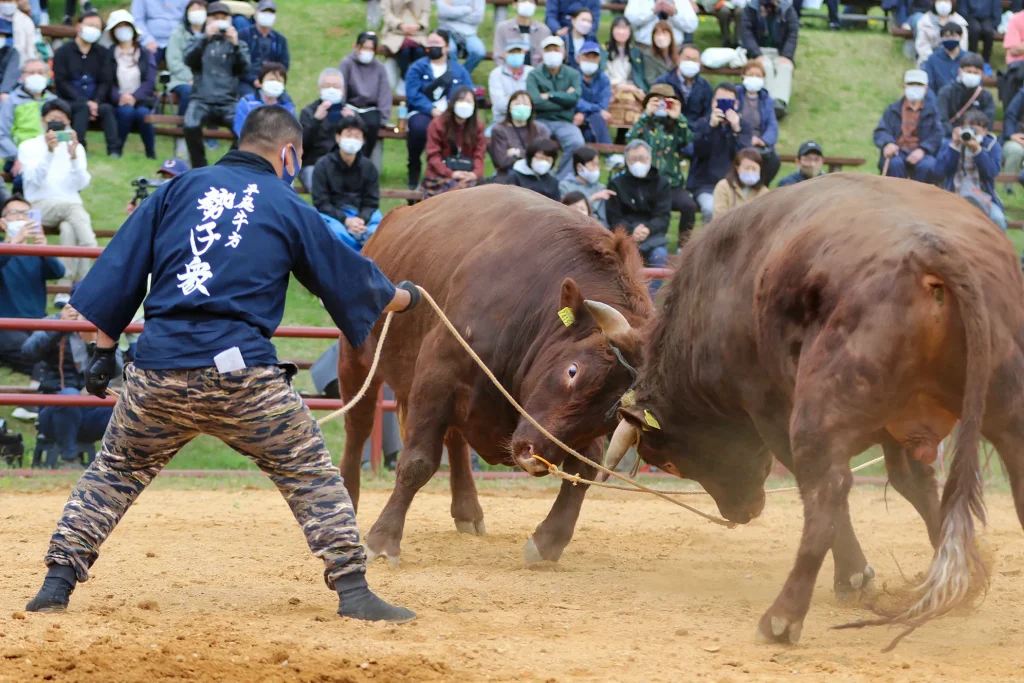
x=428 y=86
x=577 y=201
x=982 y=17
x=82 y=76
x=558 y=15
x=265 y=45
x=692 y=89
x=190 y=27
x=645 y=15
x=625 y=65
x=25 y=38
x=1012 y=138
x=809 y=161
x=928 y=37
x=743 y=182
x=155 y=21
x=320 y=119
x=587 y=164
x=664 y=129
x=405 y=31
x=508 y=77
x=662 y=58
x=133 y=91
x=365 y=87
x=217 y=60
x=758 y=109
x=462 y=18
x=909 y=132
x=518 y=130
x=970 y=163
x=641 y=203
x=592 y=115
x=20 y=116
x=942 y=65
x=533 y=172
x=582 y=30
x=272 y=80
x=769 y=34
x=555 y=89
x=965 y=93
x=346 y=186
x=716 y=141
x=522 y=27
x=455 y=146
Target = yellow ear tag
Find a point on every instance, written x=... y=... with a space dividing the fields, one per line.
x=650 y=419
x=628 y=399
x=567 y=316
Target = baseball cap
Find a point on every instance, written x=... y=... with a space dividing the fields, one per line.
x=517 y=44
x=552 y=40
x=173 y=167
x=916 y=77
x=266 y=6
x=810 y=147
x=590 y=47
x=218 y=8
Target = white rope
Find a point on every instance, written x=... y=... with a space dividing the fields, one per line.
x=369 y=376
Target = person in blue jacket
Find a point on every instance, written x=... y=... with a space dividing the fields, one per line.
x=265 y=44
x=716 y=140
x=969 y=164
x=757 y=107
x=220 y=246
x=942 y=66
x=428 y=83
x=982 y=17
x=592 y=115
x=558 y=16
x=909 y=153
x=271 y=83
x=694 y=90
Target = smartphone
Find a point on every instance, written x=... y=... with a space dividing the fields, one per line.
x=725 y=105
x=35 y=216
x=63 y=136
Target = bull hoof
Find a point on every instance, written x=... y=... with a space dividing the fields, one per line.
x=532 y=555
x=848 y=590
x=775 y=630
x=471 y=528
x=372 y=555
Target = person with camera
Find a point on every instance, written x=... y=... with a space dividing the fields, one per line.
x=172 y=168
x=192 y=25
x=455 y=146
x=909 y=133
x=716 y=141
x=970 y=163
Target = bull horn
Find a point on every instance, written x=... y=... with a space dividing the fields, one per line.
x=612 y=323
x=625 y=436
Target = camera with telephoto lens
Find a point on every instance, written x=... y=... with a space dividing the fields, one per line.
x=143 y=186
x=967 y=134
x=12 y=446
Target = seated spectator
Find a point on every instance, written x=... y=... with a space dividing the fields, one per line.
x=909 y=132
x=577 y=201
x=405 y=31
x=730 y=16
x=970 y=163
x=555 y=90
x=662 y=58
x=582 y=28
x=265 y=45
x=982 y=17
x=25 y=39
x=53 y=173
x=522 y=27
x=346 y=186
x=769 y=34
x=462 y=18
x=83 y=79
x=22 y=281
x=508 y=77
x=909 y=12
x=455 y=145
x=133 y=91
x=217 y=60
x=558 y=15
x=927 y=38
x=365 y=87
x=428 y=85
x=663 y=127
x=20 y=116
x=534 y=170
x=645 y=15
x=10 y=60
x=743 y=182
x=190 y=27
x=641 y=203
x=587 y=164
x=320 y=119
x=271 y=83
x=1013 y=39
x=965 y=94
x=156 y=21
x=625 y=65
x=942 y=65
x=1012 y=137
x=516 y=132
x=716 y=141
x=592 y=115
x=757 y=107
x=692 y=89
x=809 y=162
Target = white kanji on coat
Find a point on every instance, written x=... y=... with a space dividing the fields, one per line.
x=206 y=239
x=196 y=273
x=213 y=203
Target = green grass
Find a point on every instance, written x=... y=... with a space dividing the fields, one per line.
x=842 y=84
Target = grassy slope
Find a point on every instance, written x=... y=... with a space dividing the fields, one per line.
x=843 y=82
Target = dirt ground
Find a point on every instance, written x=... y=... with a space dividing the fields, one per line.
x=219 y=586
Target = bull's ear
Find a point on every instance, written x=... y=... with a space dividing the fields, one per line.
x=639 y=417
x=570 y=303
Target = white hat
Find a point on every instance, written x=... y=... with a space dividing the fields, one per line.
x=552 y=40
x=121 y=16
x=915 y=76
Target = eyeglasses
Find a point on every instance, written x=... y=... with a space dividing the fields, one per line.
x=15 y=213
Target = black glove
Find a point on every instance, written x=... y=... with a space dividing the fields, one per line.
x=414 y=294
x=100 y=370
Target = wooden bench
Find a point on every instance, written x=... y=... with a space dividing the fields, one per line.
x=906 y=33
x=174 y=126
x=57 y=31
x=834 y=164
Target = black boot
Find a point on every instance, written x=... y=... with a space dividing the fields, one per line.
x=413 y=181
x=57 y=588
x=357 y=601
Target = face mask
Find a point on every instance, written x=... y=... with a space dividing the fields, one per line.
x=661 y=112
x=265 y=19
x=520 y=112
x=944 y=8
x=197 y=17
x=124 y=34
x=750 y=179
x=8 y=9
x=332 y=95
x=970 y=80
x=553 y=60
x=435 y=52
x=589 y=68
x=272 y=89
x=14 y=227
x=91 y=34
x=515 y=59
x=915 y=93
x=589 y=174
x=350 y=145
x=583 y=27
x=526 y=9
x=36 y=83
x=950 y=44
x=540 y=167
x=639 y=169
x=464 y=109
x=689 y=69
x=221 y=24
x=662 y=41
x=287 y=177
x=753 y=83
x=365 y=56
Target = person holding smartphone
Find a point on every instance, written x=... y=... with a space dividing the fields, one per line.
x=716 y=140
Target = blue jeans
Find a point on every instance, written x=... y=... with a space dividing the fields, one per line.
x=184 y=92
x=594 y=129
x=923 y=171
x=997 y=216
x=570 y=138
x=70 y=425
x=913 y=19
x=475 y=51
x=341 y=232
x=128 y=117
x=655 y=258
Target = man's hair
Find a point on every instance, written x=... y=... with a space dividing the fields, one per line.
x=274 y=68
x=685 y=46
x=330 y=71
x=575 y=197
x=545 y=146
x=976 y=117
x=583 y=155
x=90 y=13
x=442 y=32
x=580 y=10
x=635 y=144
x=350 y=122
x=367 y=35
x=37 y=60
x=972 y=59
x=951 y=28
x=56 y=103
x=13 y=198
x=270 y=126
x=728 y=87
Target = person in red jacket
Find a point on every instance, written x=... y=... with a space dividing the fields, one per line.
x=455 y=146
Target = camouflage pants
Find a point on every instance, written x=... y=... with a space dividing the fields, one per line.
x=256 y=412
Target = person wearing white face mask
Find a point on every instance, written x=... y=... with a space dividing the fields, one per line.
x=346 y=185
x=757 y=108
x=692 y=89
x=533 y=171
x=587 y=164
x=320 y=119
x=743 y=183
x=24 y=30
x=555 y=90
x=271 y=84
x=134 y=88
x=592 y=115
x=455 y=146
x=909 y=133
x=558 y=15
x=19 y=114
x=366 y=89
x=522 y=26
x=192 y=23
x=265 y=44
x=156 y=21
x=9 y=61
x=769 y=33
x=928 y=28
x=970 y=163
x=643 y=15
x=582 y=29
x=965 y=94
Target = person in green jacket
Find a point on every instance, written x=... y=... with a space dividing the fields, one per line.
x=20 y=117
x=555 y=89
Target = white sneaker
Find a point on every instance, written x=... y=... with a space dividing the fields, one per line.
x=22 y=414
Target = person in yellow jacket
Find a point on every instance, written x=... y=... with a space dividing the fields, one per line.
x=742 y=184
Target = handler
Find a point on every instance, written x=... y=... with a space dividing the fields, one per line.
x=220 y=243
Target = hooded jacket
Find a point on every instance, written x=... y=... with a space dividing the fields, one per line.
x=420 y=76
x=20 y=120
x=989 y=161
x=145 y=94
x=216 y=66
x=336 y=185
x=779 y=29
x=254 y=100
x=769 y=130
x=522 y=175
x=636 y=201
x=177 y=45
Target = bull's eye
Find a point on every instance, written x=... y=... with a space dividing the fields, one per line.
x=572 y=371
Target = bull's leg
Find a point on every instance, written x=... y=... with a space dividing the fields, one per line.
x=915 y=481
x=555 y=532
x=466 y=510
x=1010 y=445
x=353 y=366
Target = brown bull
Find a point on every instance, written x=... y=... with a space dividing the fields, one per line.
x=847 y=311
x=542 y=294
